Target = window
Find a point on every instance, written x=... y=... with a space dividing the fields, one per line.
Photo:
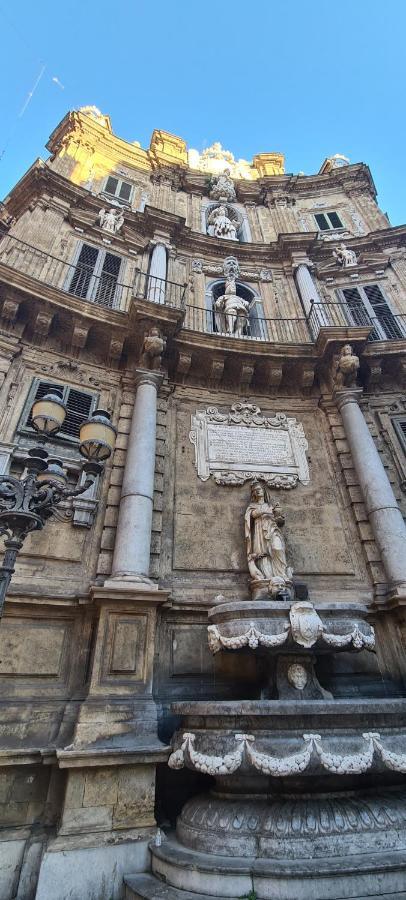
x=118 y=188
x=328 y=221
x=95 y=276
x=368 y=305
x=400 y=428
x=79 y=405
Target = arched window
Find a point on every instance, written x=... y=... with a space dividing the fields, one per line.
x=252 y=326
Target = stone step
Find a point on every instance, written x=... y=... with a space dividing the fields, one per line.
x=147 y=887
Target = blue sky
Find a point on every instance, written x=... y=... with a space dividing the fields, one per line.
x=305 y=78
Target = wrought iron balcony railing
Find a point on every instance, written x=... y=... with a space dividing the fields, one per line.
x=277 y=331
x=160 y=290
x=95 y=277
x=385 y=325
x=81 y=279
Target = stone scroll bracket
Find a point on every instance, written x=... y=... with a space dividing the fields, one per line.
x=243 y=444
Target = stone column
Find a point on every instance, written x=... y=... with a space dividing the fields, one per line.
x=310 y=296
x=383 y=512
x=157 y=273
x=133 y=535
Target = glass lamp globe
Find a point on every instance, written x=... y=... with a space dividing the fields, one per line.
x=54 y=472
x=97 y=436
x=48 y=414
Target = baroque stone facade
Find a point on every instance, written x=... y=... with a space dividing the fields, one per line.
x=246 y=330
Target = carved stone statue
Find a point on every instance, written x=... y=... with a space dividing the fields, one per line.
x=222 y=188
x=231 y=310
x=345 y=369
x=220 y=225
x=111 y=220
x=152 y=350
x=305 y=623
x=345 y=257
x=265 y=544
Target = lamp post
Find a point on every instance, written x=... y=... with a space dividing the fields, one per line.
x=26 y=503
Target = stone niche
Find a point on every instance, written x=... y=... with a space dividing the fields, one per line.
x=208 y=517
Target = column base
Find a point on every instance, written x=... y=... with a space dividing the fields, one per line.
x=130 y=579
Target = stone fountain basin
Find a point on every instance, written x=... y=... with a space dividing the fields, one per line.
x=337 y=739
x=260 y=623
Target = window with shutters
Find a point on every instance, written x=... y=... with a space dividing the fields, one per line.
x=95 y=276
x=328 y=221
x=399 y=424
x=367 y=305
x=79 y=405
x=118 y=188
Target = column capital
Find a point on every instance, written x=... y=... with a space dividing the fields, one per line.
x=147 y=376
x=350 y=395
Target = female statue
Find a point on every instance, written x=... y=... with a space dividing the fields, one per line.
x=265 y=544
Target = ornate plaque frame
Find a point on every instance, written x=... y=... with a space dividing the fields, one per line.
x=243 y=444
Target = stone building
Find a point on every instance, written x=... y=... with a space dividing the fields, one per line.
x=207 y=303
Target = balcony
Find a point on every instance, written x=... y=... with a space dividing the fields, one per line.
x=385 y=325
x=159 y=290
x=79 y=280
x=276 y=331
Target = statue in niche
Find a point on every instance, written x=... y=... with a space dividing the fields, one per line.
x=231 y=311
x=152 y=350
x=266 y=552
x=220 y=225
x=297 y=676
x=111 y=220
x=222 y=187
x=345 y=369
x=345 y=257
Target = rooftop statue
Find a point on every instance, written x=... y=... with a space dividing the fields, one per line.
x=222 y=187
x=216 y=160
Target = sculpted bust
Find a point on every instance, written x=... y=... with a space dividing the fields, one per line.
x=297 y=676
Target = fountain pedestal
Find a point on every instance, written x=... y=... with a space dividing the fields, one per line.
x=309 y=792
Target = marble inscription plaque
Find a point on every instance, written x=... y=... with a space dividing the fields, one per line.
x=243 y=444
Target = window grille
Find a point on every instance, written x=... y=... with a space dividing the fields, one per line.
x=79 y=405
x=95 y=276
x=328 y=221
x=118 y=188
x=399 y=425
x=368 y=305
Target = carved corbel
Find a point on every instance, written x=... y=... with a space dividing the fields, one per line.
x=184 y=363
x=274 y=374
x=246 y=374
x=42 y=322
x=115 y=349
x=216 y=370
x=401 y=371
x=375 y=371
x=79 y=335
x=307 y=375
x=10 y=309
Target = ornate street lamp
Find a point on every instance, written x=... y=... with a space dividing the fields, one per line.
x=26 y=503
